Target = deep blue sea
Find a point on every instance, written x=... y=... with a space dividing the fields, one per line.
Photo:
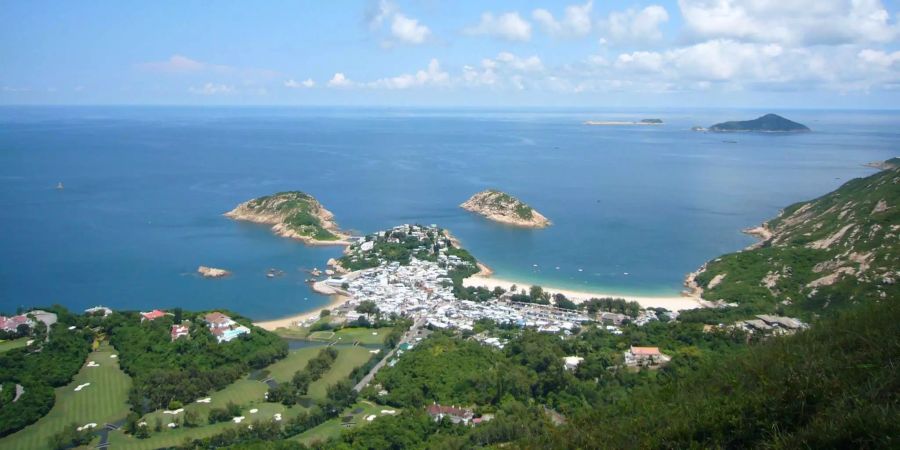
x=634 y=208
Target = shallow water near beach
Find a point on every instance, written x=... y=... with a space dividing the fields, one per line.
x=634 y=208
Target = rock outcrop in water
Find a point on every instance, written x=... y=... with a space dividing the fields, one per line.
x=212 y=272
x=771 y=123
x=502 y=207
x=293 y=214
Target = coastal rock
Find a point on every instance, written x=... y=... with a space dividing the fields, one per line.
x=295 y=215
x=212 y=272
x=502 y=207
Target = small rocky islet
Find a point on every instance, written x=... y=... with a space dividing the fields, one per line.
x=504 y=208
x=293 y=214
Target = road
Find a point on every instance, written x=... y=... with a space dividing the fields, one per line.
x=409 y=336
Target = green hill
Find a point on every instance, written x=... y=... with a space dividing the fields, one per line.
x=833 y=386
x=837 y=250
x=768 y=122
x=292 y=214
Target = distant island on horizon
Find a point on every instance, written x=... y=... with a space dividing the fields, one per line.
x=769 y=123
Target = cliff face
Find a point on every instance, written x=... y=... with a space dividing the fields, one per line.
x=502 y=207
x=836 y=250
x=292 y=214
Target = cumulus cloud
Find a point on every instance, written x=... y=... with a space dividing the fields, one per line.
x=792 y=22
x=339 y=80
x=509 y=26
x=403 y=29
x=307 y=83
x=635 y=26
x=431 y=76
x=409 y=30
x=576 y=21
x=212 y=89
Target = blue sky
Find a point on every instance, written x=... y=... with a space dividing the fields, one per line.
x=717 y=53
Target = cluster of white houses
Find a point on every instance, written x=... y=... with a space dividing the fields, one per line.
x=423 y=289
x=11 y=324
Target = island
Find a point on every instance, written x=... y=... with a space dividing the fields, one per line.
x=212 y=272
x=769 y=123
x=295 y=215
x=621 y=122
x=504 y=208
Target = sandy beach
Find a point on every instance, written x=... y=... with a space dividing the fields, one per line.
x=285 y=322
x=674 y=302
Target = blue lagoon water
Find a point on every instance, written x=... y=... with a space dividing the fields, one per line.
x=634 y=208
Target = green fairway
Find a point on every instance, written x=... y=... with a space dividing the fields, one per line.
x=103 y=401
x=348 y=359
x=6 y=346
x=247 y=393
x=352 y=335
x=296 y=360
x=332 y=428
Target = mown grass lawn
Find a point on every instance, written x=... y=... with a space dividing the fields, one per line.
x=349 y=358
x=6 y=346
x=363 y=336
x=332 y=428
x=103 y=401
x=250 y=394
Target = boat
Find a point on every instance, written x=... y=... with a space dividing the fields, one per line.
x=60 y=186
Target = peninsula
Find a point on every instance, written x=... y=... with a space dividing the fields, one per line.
x=769 y=123
x=293 y=214
x=504 y=208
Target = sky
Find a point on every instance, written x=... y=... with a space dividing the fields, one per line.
x=684 y=53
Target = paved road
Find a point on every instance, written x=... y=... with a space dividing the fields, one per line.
x=410 y=335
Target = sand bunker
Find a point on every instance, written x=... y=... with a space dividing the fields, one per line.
x=81 y=386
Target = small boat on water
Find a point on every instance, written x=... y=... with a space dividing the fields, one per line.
x=272 y=273
x=60 y=186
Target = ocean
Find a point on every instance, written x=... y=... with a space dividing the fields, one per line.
x=634 y=208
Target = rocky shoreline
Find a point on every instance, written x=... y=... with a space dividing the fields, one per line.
x=272 y=214
x=504 y=208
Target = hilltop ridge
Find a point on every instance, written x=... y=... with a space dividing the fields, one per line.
x=767 y=123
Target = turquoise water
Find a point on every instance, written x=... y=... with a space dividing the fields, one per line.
x=634 y=208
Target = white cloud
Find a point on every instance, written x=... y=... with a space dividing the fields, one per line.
x=212 y=89
x=432 y=76
x=509 y=26
x=409 y=30
x=339 y=81
x=793 y=22
x=184 y=66
x=632 y=26
x=307 y=83
x=529 y=64
x=879 y=58
x=575 y=22
x=403 y=29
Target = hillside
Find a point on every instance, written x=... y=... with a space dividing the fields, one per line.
x=504 y=208
x=767 y=123
x=833 y=386
x=292 y=214
x=830 y=252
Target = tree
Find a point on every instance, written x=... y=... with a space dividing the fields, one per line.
x=324 y=313
x=301 y=381
x=536 y=293
x=367 y=307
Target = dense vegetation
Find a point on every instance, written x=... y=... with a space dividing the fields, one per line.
x=186 y=369
x=50 y=361
x=768 y=122
x=834 y=386
x=838 y=250
x=300 y=212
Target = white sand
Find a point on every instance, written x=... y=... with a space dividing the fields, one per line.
x=238 y=419
x=205 y=400
x=81 y=386
x=254 y=411
x=92 y=364
x=672 y=303
x=287 y=322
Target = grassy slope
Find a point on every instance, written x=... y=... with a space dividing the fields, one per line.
x=6 y=346
x=351 y=335
x=834 y=386
x=249 y=394
x=300 y=218
x=105 y=400
x=791 y=256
